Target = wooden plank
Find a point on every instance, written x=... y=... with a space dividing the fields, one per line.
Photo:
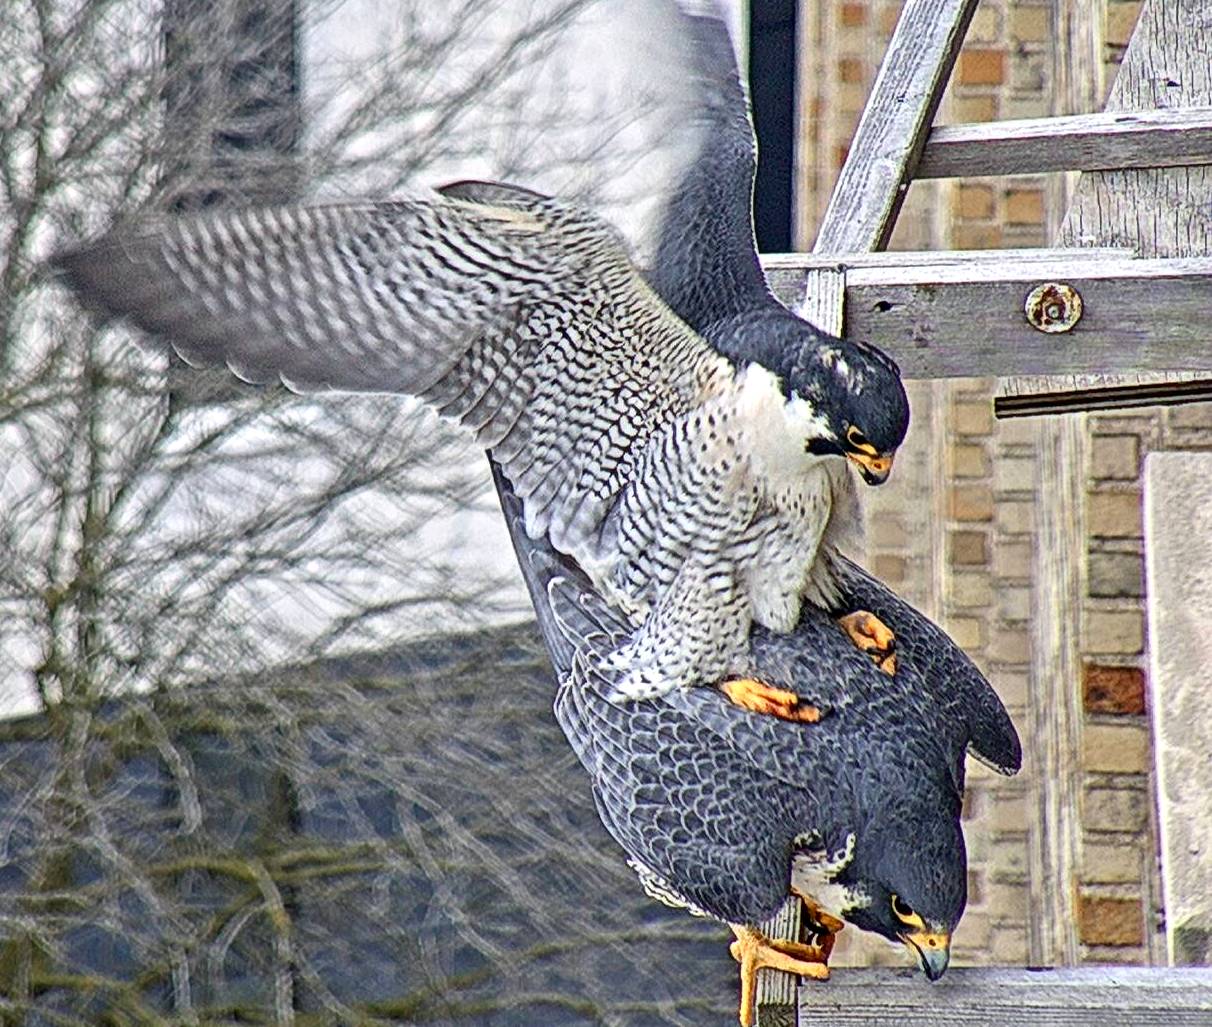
x=894 y=125
x=1081 y=142
x=822 y=305
x=781 y=262
x=1175 y=390
x=966 y=320
x=1178 y=559
x=1161 y=212
x=987 y=997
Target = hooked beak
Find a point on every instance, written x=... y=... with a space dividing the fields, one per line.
x=874 y=467
x=933 y=951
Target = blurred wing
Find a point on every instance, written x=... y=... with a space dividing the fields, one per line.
x=518 y=316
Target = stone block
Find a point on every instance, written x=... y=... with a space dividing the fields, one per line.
x=1196 y=416
x=1025 y=206
x=1012 y=560
x=969 y=417
x=974 y=202
x=1118 y=690
x=1178 y=548
x=886 y=530
x=1019 y=431
x=971 y=503
x=1008 y=945
x=1115 y=809
x=974 y=236
x=1113 y=922
x=969 y=461
x=1030 y=24
x=1115 y=575
x=966 y=632
x=1014 y=604
x=853 y=16
x=1016 y=517
x=851 y=70
x=1115 y=457
x=1114 y=514
x=1109 y=861
x=986 y=25
x=975 y=109
x=1115 y=748
x=969 y=548
x=889 y=568
x=1014 y=474
x=969 y=590
x=1114 y=631
x=1010 y=645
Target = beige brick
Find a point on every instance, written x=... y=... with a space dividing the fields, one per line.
x=1030 y=24
x=1025 y=206
x=969 y=461
x=1113 y=631
x=1011 y=685
x=986 y=25
x=1105 y=921
x=1014 y=475
x=1192 y=415
x=1105 y=954
x=975 y=108
x=1008 y=945
x=1009 y=813
x=972 y=418
x=974 y=202
x=1114 y=809
x=1110 y=862
x=1019 y=431
x=1029 y=72
x=1025 y=105
x=887 y=531
x=1121 y=20
x=853 y=15
x=1015 y=518
x=971 y=503
x=969 y=590
x=1010 y=645
x=1014 y=604
x=1013 y=560
x=1115 y=456
x=971 y=938
x=1008 y=860
x=1114 y=514
x=977 y=236
x=1115 y=575
x=1007 y=901
x=889 y=568
x=1115 y=748
x=969 y=548
x=966 y=632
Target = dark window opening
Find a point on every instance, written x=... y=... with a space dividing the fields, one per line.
x=772 y=61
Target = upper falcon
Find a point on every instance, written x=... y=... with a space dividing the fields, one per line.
x=688 y=473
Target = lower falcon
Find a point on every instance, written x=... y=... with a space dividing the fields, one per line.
x=726 y=813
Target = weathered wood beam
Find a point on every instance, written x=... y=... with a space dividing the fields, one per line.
x=980 y=997
x=966 y=319
x=1171 y=392
x=1084 y=142
x=892 y=131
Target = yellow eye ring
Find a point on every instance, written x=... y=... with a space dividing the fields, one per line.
x=859 y=442
x=904 y=912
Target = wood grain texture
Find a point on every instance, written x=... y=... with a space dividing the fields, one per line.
x=821 y=303
x=1083 y=142
x=893 y=129
x=972 y=997
x=966 y=319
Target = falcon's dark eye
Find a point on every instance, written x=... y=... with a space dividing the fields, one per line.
x=904 y=911
x=859 y=441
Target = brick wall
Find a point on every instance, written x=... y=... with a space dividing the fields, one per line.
x=954 y=528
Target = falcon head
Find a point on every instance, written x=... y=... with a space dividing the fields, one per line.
x=842 y=398
x=862 y=412
x=909 y=883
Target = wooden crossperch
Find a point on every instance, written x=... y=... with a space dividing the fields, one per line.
x=963 y=314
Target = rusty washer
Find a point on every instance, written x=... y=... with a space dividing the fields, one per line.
x=1053 y=307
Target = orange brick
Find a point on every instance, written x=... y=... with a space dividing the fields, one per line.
x=849 y=69
x=974 y=201
x=982 y=67
x=1111 y=921
x=1025 y=206
x=1113 y=689
x=853 y=16
x=977 y=237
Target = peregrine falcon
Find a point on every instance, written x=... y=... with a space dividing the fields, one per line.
x=725 y=813
x=691 y=473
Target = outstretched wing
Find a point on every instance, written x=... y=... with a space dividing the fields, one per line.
x=517 y=315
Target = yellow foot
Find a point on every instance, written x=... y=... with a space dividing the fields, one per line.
x=873 y=637
x=754 y=695
x=823 y=927
x=754 y=951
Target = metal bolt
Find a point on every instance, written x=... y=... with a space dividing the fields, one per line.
x=1053 y=307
